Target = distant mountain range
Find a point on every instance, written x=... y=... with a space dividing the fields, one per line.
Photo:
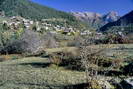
x=95 y=19
x=123 y=21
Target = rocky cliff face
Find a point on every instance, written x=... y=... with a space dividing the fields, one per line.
x=96 y=19
x=110 y=17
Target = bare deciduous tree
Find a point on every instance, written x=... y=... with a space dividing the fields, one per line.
x=90 y=59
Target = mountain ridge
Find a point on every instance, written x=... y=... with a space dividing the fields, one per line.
x=124 y=20
x=98 y=19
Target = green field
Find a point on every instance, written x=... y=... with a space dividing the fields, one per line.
x=36 y=73
x=123 y=50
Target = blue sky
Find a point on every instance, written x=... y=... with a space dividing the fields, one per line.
x=100 y=6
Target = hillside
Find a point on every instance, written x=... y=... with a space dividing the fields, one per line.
x=28 y=9
x=34 y=11
x=123 y=21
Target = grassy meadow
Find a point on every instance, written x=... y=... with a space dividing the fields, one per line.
x=40 y=73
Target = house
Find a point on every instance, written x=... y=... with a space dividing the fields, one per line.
x=86 y=32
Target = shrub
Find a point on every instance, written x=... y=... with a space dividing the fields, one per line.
x=73 y=60
x=50 y=42
x=55 y=59
x=128 y=69
x=66 y=58
x=77 y=41
x=105 y=62
x=6 y=38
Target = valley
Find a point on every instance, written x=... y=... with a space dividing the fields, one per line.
x=45 y=48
